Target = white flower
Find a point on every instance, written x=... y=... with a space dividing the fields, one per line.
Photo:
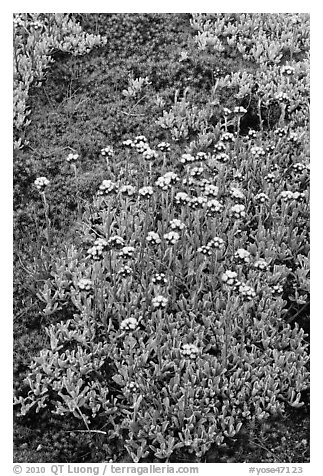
x=153 y=238
x=116 y=241
x=261 y=264
x=282 y=97
x=236 y=194
x=239 y=110
x=126 y=252
x=96 y=252
x=299 y=167
x=229 y=278
x=146 y=192
x=261 y=197
x=190 y=350
x=299 y=196
x=280 y=132
x=177 y=225
x=141 y=144
x=159 y=278
x=128 y=143
x=85 y=284
x=270 y=178
x=287 y=70
x=150 y=154
x=219 y=147
x=186 y=158
x=205 y=250
x=182 y=198
x=227 y=137
x=166 y=181
x=163 y=146
x=197 y=202
x=139 y=139
x=196 y=171
x=200 y=156
x=127 y=190
x=72 y=158
x=216 y=243
x=125 y=271
x=129 y=324
x=211 y=190
x=257 y=151
x=277 y=289
x=107 y=151
x=222 y=158
x=247 y=292
x=107 y=187
x=242 y=255
x=287 y=195
x=159 y=302
x=213 y=207
x=252 y=134
x=172 y=237
x=238 y=211
x=172 y=177
x=41 y=183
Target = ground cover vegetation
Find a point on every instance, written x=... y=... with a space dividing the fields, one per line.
x=161 y=237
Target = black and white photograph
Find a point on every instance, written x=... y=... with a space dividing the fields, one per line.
x=161 y=242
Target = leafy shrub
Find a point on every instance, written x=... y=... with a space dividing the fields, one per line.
x=36 y=37
x=185 y=357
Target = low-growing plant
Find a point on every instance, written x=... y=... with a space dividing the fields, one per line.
x=175 y=314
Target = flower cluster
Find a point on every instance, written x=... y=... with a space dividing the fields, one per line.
x=247 y=292
x=129 y=324
x=227 y=137
x=128 y=190
x=242 y=256
x=149 y=154
x=182 y=198
x=107 y=151
x=97 y=250
x=126 y=252
x=166 y=181
x=219 y=147
x=261 y=197
x=257 y=151
x=261 y=264
x=146 y=192
x=172 y=237
x=239 y=110
x=125 y=271
x=153 y=238
x=238 y=211
x=177 y=225
x=72 y=158
x=116 y=242
x=236 y=194
x=159 y=302
x=159 y=278
x=229 y=278
x=107 y=187
x=190 y=350
x=85 y=284
x=164 y=146
x=41 y=183
x=213 y=207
